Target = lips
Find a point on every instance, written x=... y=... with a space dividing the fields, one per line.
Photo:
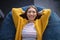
x=31 y=16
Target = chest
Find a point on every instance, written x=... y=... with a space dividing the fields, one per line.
x=29 y=30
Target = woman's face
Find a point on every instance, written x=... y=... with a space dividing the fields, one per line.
x=31 y=14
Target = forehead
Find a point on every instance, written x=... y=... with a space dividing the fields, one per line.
x=31 y=9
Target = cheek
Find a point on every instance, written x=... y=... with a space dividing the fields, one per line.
x=35 y=14
x=31 y=18
x=27 y=15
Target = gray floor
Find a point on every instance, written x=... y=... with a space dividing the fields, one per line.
x=52 y=4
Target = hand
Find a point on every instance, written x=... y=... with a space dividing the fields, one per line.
x=42 y=12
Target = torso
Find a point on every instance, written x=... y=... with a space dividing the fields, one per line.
x=29 y=32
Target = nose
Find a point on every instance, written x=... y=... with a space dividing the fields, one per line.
x=31 y=13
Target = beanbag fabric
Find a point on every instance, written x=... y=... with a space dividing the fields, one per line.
x=52 y=32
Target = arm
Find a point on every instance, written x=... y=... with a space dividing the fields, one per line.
x=45 y=18
x=16 y=12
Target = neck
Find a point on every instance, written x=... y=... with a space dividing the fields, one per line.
x=31 y=21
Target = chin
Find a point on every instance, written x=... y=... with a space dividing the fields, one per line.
x=32 y=19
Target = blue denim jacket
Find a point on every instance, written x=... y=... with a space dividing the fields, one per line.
x=52 y=32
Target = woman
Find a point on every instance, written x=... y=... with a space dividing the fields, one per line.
x=30 y=24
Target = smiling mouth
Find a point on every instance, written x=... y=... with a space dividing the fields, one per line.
x=31 y=16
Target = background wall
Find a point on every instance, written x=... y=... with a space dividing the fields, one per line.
x=54 y=5
x=7 y=5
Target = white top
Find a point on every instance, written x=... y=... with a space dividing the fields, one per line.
x=29 y=32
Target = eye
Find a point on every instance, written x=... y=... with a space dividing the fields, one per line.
x=29 y=11
x=33 y=11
